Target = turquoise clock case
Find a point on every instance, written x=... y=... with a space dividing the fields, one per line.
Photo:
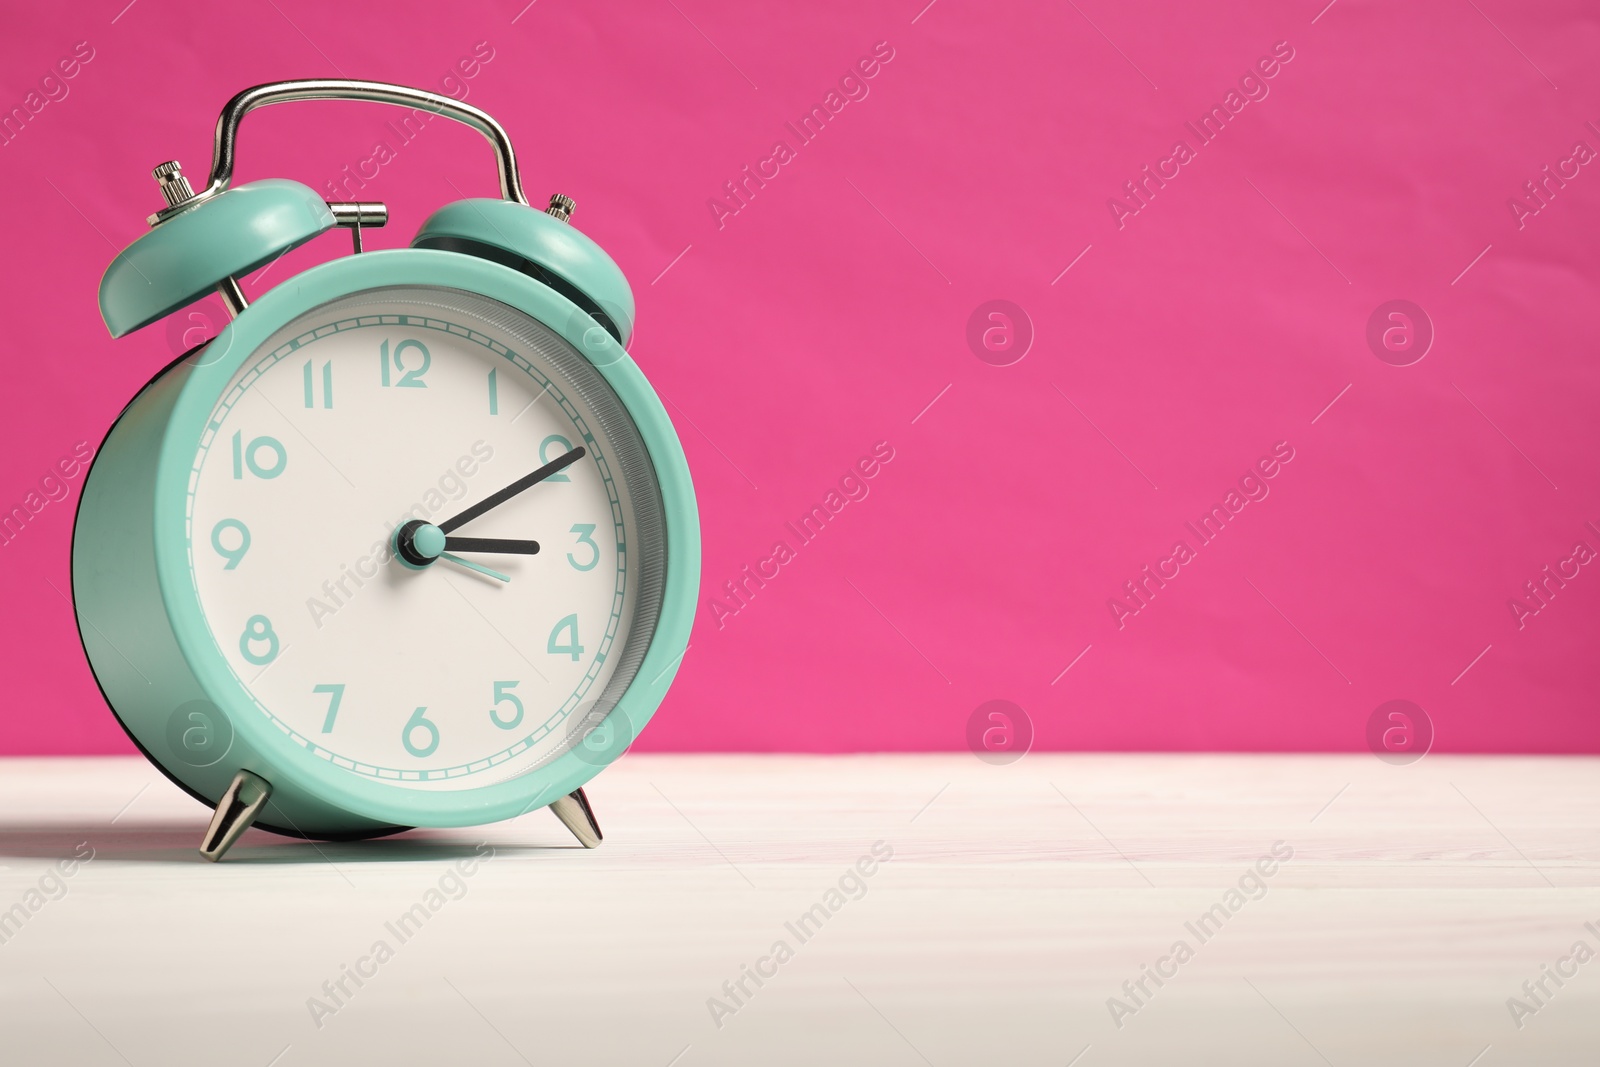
x=544 y=248
x=138 y=611
x=184 y=258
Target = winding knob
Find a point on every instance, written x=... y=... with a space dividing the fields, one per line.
x=174 y=186
x=561 y=207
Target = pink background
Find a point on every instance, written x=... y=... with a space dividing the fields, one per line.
x=826 y=314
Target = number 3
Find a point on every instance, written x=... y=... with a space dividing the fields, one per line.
x=585 y=532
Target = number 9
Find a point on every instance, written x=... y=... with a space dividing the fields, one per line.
x=232 y=555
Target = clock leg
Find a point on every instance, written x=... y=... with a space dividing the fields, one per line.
x=574 y=811
x=238 y=808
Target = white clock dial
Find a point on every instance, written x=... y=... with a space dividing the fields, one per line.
x=414 y=404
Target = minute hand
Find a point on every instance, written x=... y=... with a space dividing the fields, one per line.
x=555 y=466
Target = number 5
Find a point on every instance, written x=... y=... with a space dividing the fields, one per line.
x=501 y=695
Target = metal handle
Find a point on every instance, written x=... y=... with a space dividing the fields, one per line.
x=235 y=110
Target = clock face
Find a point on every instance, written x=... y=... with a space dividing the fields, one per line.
x=411 y=405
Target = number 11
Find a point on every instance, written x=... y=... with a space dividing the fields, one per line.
x=327 y=385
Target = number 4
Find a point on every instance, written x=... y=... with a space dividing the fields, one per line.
x=571 y=648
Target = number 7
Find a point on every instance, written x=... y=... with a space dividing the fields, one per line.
x=337 y=692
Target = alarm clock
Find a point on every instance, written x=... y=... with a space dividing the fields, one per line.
x=412 y=541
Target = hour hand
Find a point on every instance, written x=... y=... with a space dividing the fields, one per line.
x=490 y=544
x=418 y=544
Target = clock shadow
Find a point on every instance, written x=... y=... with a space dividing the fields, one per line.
x=179 y=842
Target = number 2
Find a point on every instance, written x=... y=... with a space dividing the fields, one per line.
x=546 y=457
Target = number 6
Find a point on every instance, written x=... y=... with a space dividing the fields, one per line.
x=418 y=722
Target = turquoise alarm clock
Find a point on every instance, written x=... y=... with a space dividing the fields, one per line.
x=410 y=542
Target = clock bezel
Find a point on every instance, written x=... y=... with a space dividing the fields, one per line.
x=214 y=369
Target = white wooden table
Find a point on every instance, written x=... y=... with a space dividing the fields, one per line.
x=1017 y=902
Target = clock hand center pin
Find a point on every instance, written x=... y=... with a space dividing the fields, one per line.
x=419 y=543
